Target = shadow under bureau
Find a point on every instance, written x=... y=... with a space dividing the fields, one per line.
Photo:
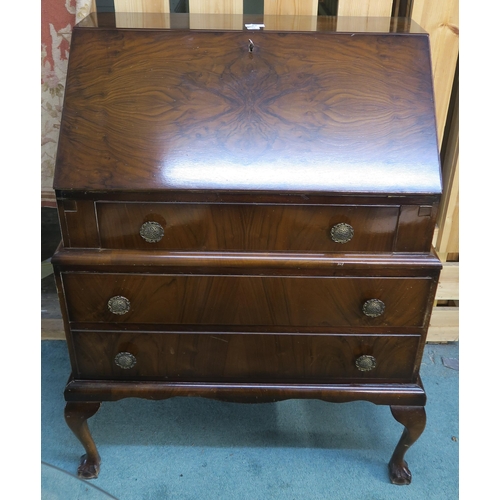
x=247 y=215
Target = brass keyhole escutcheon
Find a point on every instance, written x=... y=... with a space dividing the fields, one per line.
x=119 y=305
x=125 y=360
x=341 y=233
x=152 y=232
x=366 y=363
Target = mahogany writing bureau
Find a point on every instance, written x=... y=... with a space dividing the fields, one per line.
x=247 y=215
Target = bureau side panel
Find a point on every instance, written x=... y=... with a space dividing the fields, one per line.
x=416 y=227
x=78 y=223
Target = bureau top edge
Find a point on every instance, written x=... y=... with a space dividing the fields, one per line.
x=249 y=197
x=250 y=22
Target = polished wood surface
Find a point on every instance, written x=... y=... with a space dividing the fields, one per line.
x=238 y=357
x=246 y=154
x=247 y=227
x=307 y=112
x=246 y=300
x=295 y=224
x=248 y=263
x=382 y=393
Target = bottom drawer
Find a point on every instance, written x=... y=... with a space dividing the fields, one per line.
x=227 y=357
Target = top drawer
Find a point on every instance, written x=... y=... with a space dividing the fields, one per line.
x=245 y=227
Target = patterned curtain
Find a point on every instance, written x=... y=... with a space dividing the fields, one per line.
x=58 y=18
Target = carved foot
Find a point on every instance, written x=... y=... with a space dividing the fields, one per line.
x=413 y=418
x=399 y=473
x=89 y=468
x=76 y=415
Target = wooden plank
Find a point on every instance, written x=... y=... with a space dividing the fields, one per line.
x=440 y=20
x=233 y=20
x=448 y=288
x=143 y=6
x=447 y=240
x=452 y=247
x=357 y=15
x=444 y=325
x=365 y=8
x=47 y=269
x=216 y=7
x=290 y=7
x=52 y=329
x=126 y=15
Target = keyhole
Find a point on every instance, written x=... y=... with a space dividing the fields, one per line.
x=251 y=45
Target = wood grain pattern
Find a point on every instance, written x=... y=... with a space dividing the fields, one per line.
x=448 y=218
x=440 y=20
x=285 y=117
x=160 y=6
x=125 y=11
x=248 y=263
x=79 y=224
x=216 y=7
x=382 y=393
x=236 y=357
x=448 y=288
x=364 y=8
x=416 y=227
x=352 y=14
x=444 y=324
x=216 y=14
x=247 y=227
x=291 y=8
x=246 y=158
x=246 y=300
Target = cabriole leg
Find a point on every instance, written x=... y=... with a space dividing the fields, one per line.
x=413 y=418
x=76 y=415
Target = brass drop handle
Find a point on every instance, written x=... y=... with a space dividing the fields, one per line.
x=366 y=363
x=125 y=360
x=341 y=233
x=373 y=308
x=119 y=305
x=152 y=232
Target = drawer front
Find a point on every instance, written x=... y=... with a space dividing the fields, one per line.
x=184 y=226
x=246 y=300
x=226 y=357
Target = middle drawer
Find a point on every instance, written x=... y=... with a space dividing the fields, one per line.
x=247 y=227
x=173 y=299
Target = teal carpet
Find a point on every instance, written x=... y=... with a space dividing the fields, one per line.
x=198 y=449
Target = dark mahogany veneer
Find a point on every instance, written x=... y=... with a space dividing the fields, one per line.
x=243 y=223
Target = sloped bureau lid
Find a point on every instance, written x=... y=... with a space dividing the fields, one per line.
x=311 y=111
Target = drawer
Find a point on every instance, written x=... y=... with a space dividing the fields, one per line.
x=245 y=227
x=246 y=300
x=206 y=357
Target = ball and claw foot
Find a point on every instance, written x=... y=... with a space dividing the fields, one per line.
x=88 y=468
x=399 y=473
